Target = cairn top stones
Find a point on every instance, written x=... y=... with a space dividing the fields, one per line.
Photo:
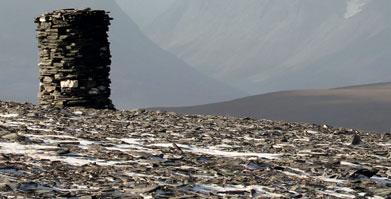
x=74 y=58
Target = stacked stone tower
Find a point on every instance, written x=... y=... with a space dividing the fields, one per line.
x=74 y=58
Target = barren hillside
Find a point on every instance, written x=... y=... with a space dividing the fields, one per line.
x=366 y=107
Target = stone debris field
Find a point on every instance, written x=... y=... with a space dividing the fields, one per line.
x=87 y=153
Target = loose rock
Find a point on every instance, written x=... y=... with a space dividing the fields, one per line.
x=144 y=154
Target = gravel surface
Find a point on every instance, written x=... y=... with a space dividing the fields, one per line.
x=89 y=153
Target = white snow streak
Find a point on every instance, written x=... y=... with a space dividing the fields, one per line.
x=212 y=188
x=40 y=152
x=211 y=151
x=336 y=194
x=354 y=7
x=9 y=115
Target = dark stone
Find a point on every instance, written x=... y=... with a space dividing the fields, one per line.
x=356 y=139
x=364 y=173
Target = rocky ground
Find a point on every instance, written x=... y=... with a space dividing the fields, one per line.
x=141 y=154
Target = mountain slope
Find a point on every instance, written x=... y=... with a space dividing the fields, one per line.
x=143 y=12
x=366 y=107
x=142 y=73
x=268 y=45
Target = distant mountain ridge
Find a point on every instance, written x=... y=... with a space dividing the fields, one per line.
x=365 y=107
x=143 y=12
x=142 y=73
x=266 y=45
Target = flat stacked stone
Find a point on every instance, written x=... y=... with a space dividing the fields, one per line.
x=74 y=58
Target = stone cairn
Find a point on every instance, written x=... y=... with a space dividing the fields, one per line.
x=74 y=58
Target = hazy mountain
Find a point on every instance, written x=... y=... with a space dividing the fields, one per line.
x=366 y=107
x=269 y=45
x=143 y=12
x=143 y=74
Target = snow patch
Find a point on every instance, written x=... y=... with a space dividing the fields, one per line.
x=312 y=132
x=302 y=174
x=295 y=174
x=140 y=175
x=282 y=145
x=9 y=115
x=332 y=180
x=132 y=143
x=388 y=144
x=83 y=144
x=336 y=194
x=349 y=164
x=260 y=191
x=16 y=148
x=354 y=7
x=210 y=151
x=78 y=113
x=41 y=152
